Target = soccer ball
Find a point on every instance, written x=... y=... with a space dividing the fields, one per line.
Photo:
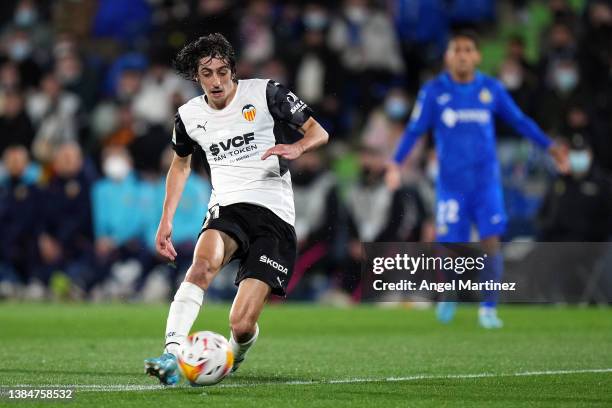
x=205 y=358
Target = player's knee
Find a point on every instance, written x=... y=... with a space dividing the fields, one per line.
x=243 y=326
x=202 y=271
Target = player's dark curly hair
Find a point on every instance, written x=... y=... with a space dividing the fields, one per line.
x=211 y=46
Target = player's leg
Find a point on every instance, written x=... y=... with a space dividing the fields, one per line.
x=213 y=250
x=266 y=270
x=453 y=224
x=491 y=220
x=247 y=306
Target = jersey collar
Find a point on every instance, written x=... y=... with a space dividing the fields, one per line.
x=447 y=79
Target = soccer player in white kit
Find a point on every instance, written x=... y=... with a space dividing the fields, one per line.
x=248 y=130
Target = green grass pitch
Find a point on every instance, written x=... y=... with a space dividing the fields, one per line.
x=316 y=356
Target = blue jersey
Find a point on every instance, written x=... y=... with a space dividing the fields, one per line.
x=462 y=118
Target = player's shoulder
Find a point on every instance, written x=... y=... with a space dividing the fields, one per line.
x=434 y=86
x=253 y=86
x=193 y=105
x=489 y=81
x=254 y=82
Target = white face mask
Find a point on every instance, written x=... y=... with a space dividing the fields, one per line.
x=565 y=79
x=315 y=20
x=116 y=168
x=580 y=161
x=19 y=50
x=26 y=17
x=356 y=14
x=511 y=80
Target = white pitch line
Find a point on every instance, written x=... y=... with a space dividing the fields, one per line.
x=137 y=387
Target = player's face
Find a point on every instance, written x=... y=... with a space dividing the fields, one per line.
x=462 y=57
x=215 y=78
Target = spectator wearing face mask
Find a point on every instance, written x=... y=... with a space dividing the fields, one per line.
x=317 y=76
x=577 y=206
x=516 y=80
x=581 y=118
x=385 y=124
x=19 y=49
x=118 y=216
x=564 y=88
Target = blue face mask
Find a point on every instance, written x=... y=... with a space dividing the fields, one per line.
x=566 y=79
x=396 y=108
x=315 y=21
x=26 y=17
x=19 y=50
x=580 y=161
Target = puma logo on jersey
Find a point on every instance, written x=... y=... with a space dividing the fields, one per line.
x=237 y=141
x=203 y=127
x=273 y=264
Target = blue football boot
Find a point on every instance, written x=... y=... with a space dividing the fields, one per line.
x=487 y=318
x=165 y=368
x=445 y=311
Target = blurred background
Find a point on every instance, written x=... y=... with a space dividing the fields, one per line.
x=88 y=95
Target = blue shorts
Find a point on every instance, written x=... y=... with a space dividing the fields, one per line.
x=456 y=212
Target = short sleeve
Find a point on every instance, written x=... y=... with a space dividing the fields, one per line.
x=285 y=106
x=182 y=144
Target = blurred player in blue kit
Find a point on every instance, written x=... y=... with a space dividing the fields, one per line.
x=459 y=105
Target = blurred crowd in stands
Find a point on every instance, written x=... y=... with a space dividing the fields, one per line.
x=87 y=97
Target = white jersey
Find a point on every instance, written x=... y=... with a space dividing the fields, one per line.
x=262 y=114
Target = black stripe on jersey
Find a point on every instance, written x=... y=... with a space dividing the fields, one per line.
x=285 y=106
x=289 y=113
x=183 y=145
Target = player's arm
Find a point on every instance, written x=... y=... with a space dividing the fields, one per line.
x=176 y=178
x=420 y=122
x=286 y=107
x=314 y=136
x=507 y=109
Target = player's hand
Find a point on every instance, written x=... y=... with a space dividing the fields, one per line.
x=163 y=241
x=286 y=151
x=393 y=176
x=560 y=155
